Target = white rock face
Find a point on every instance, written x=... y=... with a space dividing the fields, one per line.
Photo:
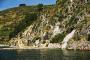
x=86 y=1
x=71 y=1
x=66 y=39
x=64 y=45
x=54 y=45
x=20 y=44
x=56 y=30
x=37 y=42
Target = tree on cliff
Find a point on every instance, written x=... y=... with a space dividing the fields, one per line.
x=40 y=7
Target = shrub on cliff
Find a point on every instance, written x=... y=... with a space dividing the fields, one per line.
x=58 y=38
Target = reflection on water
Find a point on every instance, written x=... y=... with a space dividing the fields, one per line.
x=44 y=54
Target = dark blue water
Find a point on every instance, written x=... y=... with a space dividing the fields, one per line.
x=44 y=54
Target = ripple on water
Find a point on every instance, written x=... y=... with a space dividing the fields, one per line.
x=44 y=54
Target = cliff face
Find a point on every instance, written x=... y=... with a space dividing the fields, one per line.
x=53 y=23
x=75 y=15
x=15 y=20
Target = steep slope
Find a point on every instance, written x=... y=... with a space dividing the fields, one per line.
x=74 y=15
x=52 y=24
x=13 y=21
x=66 y=16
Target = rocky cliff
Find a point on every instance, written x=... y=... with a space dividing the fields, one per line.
x=55 y=22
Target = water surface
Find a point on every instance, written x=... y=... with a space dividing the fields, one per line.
x=44 y=54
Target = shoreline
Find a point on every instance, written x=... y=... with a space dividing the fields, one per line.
x=28 y=48
x=73 y=45
x=41 y=48
x=36 y=48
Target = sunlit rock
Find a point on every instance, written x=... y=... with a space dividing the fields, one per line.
x=66 y=39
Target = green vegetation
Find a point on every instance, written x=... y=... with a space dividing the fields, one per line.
x=58 y=38
x=29 y=18
x=71 y=16
x=15 y=20
x=40 y=7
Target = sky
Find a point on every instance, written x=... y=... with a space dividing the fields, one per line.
x=5 y=4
